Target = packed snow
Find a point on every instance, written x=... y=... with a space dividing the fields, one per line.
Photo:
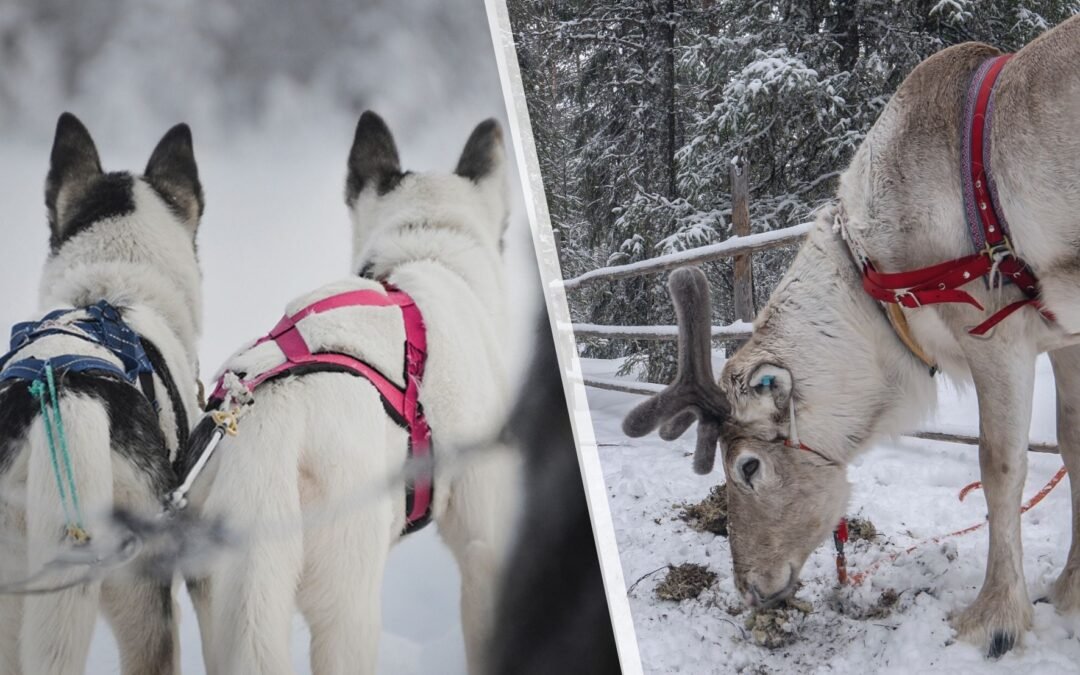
x=907 y=488
x=271 y=146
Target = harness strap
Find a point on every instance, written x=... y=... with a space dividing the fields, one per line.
x=157 y=360
x=404 y=402
x=996 y=259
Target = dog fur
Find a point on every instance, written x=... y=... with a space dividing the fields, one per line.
x=310 y=444
x=129 y=240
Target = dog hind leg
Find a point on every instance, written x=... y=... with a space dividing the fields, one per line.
x=253 y=587
x=10 y=610
x=12 y=569
x=476 y=526
x=346 y=544
x=57 y=627
x=143 y=616
x=340 y=594
x=199 y=591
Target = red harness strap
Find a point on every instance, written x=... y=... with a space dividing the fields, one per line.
x=941 y=283
x=404 y=402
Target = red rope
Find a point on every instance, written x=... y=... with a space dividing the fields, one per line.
x=857 y=578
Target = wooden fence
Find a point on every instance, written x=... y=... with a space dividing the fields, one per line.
x=740 y=247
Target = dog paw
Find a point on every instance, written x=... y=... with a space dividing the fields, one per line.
x=996 y=621
x=1065 y=593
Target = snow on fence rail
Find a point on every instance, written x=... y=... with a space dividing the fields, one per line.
x=729 y=248
x=732 y=331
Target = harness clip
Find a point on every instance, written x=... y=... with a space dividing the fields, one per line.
x=226 y=420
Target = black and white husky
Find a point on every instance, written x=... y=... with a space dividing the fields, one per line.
x=130 y=241
x=310 y=445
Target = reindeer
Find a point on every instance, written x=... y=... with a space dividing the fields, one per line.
x=829 y=368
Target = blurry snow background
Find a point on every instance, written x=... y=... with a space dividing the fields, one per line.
x=906 y=487
x=272 y=91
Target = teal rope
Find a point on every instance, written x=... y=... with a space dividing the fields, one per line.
x=54 y=423
x=37 y=390
x=63 y=445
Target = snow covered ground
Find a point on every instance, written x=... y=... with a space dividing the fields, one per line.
x=907 y=488
x=275 y=223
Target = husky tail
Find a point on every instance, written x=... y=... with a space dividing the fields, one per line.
x=74 y=482
x=57 y=626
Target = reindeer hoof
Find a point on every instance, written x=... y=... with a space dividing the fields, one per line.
x=996 y=621
x=1000 y=643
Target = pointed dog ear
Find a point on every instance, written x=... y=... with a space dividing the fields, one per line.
x=173 y=174
x=483 y=154
x=73 y=165
x=373 y=159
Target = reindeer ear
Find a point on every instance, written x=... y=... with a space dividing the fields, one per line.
x=770 y=386
x=73 y=164
x=173 y=174
x=373 y=159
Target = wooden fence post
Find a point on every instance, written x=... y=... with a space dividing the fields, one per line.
x=740 y=224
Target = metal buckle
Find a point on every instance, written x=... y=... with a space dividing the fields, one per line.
x=999 y=251
x=900 y=295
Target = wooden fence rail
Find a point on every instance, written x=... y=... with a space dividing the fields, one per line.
x=729 y=248
x=740 y=330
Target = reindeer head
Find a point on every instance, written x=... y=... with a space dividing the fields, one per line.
x=782 y=500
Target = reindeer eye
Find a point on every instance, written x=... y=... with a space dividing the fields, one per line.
x=749 y=468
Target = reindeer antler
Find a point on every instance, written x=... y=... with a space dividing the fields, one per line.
x=694 y=393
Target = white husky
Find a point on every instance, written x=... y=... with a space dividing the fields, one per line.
x=310 y=445
x=128 y=241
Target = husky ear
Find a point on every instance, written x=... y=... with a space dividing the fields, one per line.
x=173 y=174
x=483 y=153
x=373 y=159
x=73 y=165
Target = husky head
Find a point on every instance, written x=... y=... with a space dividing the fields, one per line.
x=425 y=215
x=129 y=239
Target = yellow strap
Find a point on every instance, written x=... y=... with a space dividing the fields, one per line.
x=903 y=331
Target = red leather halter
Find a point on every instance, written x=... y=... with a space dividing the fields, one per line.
x=941 y=283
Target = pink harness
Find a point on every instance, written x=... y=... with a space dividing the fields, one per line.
x=403 y=405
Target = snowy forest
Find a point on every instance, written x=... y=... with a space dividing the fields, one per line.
x=638 y=106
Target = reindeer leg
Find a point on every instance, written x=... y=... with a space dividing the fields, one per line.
x=1004 y=382
x=1065 y=593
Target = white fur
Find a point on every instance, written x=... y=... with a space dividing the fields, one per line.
x=320 y=448
x=901 y=205
x=145 y=263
